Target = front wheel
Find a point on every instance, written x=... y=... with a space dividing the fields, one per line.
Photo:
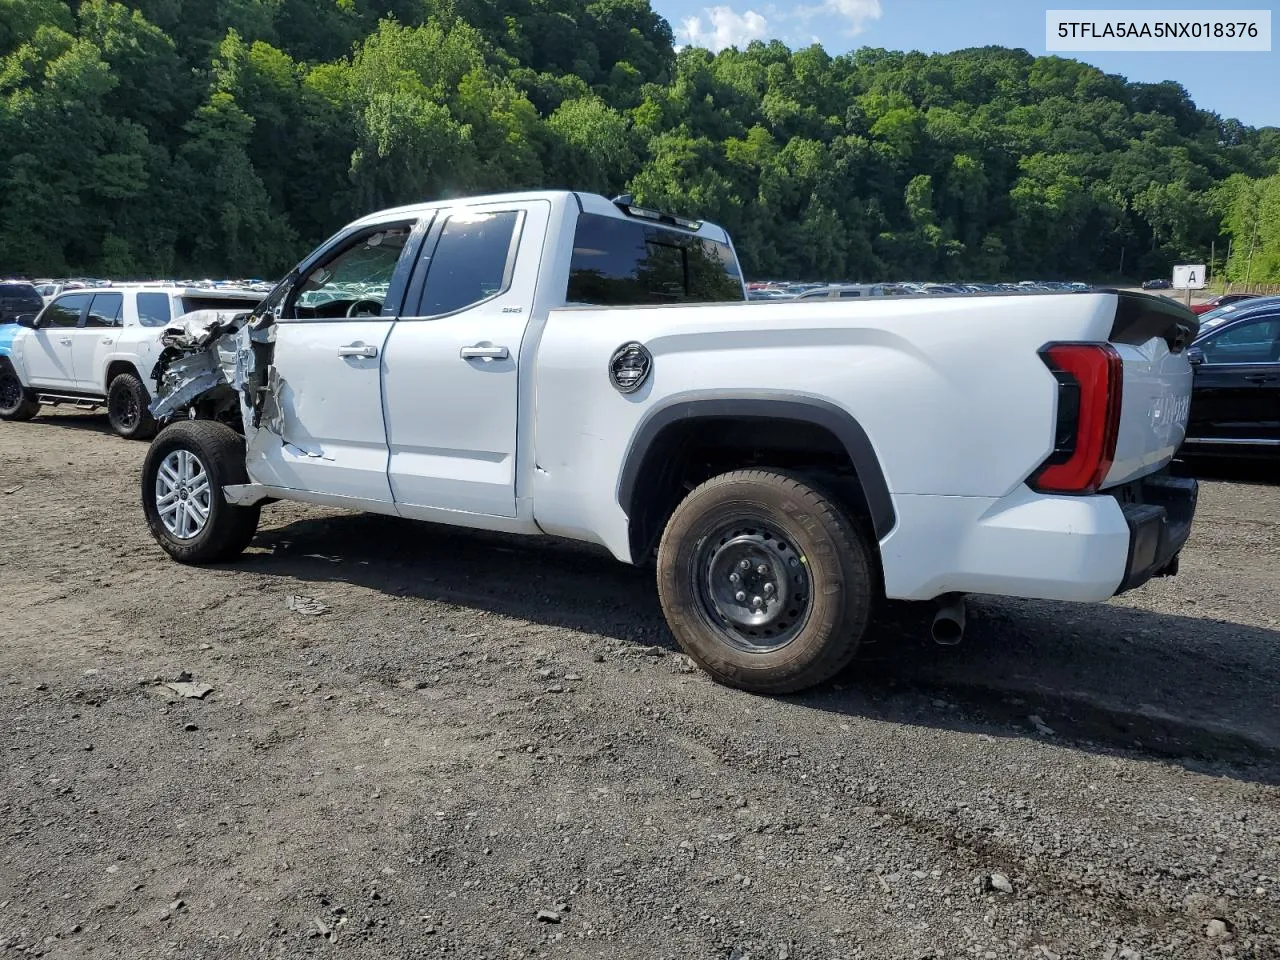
x=127 y=402
x=765 y=582
x=182 y=479
x=14 y=402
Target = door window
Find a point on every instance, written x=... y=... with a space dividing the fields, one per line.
x=105 y=310
x=471 y=262
x=154 y=309
x=65 y=311
x=1255 y=341
x=354 y=280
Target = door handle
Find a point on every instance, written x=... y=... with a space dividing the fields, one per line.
x=1259 y=377
x=108 y=341
x=65 y=341
x=357 y=350
x=483 y=351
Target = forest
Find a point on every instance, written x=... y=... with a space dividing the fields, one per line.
x=228 y=137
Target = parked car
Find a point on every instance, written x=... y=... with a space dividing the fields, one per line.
x=843 y=291
x=1222 y=300
x=1235 y=401
x=617 y=391
x=1159 y=284
x=98 y=346
x=18 y=298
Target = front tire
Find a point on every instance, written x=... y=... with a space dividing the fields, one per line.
x=15 y=404
x=765 y=582
x=127 y=402
x=182 y=480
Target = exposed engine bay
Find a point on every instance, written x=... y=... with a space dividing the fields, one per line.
x=216 y=365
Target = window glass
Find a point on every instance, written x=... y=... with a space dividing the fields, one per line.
x=354 y=281
x=1254 y=341
x=23 y=295
x=235 y=304
x=619 y=262
x=154 y=309
x=65 y=311
x=469 y=264
x=105 y=310
x=850 y=293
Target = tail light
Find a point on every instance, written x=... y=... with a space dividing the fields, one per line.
x=1090 y=378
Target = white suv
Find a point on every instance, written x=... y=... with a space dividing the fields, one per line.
x=99 y=346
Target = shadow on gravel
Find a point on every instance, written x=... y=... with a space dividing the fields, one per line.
x=1260 y=470
x=76 y=419
x=1200 y=692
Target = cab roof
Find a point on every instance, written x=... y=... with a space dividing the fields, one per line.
x=586 y=202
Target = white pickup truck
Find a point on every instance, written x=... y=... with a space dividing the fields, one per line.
x=98 y=346
x=559 y=363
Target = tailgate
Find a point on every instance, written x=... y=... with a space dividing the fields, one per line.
x=1151 y=334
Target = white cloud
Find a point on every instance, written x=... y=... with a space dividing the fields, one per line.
x=856 y=12
x=727 y=28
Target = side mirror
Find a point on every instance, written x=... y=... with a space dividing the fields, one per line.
x=1195 y=356
x=29 y=320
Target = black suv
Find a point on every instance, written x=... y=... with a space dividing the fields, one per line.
x=18 y=298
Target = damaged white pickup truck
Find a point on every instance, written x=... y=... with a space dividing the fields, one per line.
x=558 y=363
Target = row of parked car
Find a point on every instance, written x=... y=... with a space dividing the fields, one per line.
x=48 y=289
x=776 y=290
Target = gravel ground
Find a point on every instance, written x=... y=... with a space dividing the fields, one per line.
x=475 y=746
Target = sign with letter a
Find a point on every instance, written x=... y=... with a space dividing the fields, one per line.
x=1189 y=276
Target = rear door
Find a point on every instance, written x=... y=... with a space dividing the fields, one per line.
x=48 y=353
x=95 y=339
x=327 y=368
x=453 y=360
x=1237 y=385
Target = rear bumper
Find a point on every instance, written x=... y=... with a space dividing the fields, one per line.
x=1158 y=514
x=1036 y=545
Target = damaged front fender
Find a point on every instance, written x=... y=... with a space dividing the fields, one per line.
x=210 y=365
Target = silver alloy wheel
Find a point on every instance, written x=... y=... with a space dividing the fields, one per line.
x=184 y=496
x=755 y=584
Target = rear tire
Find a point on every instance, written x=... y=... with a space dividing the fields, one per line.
x=127 y=402
x=804 y=590
x=15 y=403
x=182 y=479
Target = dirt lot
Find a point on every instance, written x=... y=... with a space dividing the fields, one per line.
x=477 y=729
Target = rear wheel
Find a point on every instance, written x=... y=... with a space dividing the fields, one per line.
x=15 y=404
x=127 y=402
x=765 y=581
x=182 y=480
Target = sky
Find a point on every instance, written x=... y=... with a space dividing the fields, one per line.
x=1240 y=85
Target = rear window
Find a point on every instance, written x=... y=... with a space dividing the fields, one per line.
x=620 y=262
x=236 y=304
x=20 y=293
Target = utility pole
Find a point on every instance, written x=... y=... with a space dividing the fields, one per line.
x=1248 y=270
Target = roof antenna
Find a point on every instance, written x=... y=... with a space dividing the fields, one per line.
x=624 y=200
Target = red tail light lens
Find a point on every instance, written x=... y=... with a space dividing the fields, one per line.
x=1090 y=379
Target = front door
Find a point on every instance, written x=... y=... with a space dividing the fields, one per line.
x=453 y=361
x=48 y=354
x=326 y=377
x=1237 y=385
